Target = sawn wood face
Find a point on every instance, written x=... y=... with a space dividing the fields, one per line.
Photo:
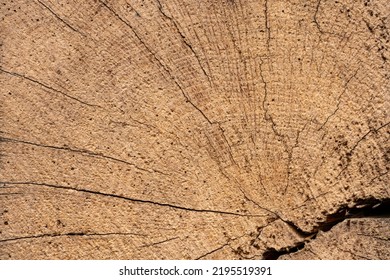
x=169 y=129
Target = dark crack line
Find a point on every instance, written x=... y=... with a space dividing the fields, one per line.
x=160 y=7
x=374 y=237
x=267 y=27
x=125 y=124
x=318 y=26
x=83 y=152
x=159 y=62
x=230 y=150
x=365 y=136
x=111 y=10
x=69 y=234
x=267 y=116
x=265 y=108
x=263 y=186
x=364 y=208
x=315 y=17
x=59 y=18
x=220 y=247
x=196 y=107
x=159 y=242
x=339 y=100
x=135 y=200
x=212 y=251
x=273 y=254
x=48 y=87
x=290 y=152
x=379 y=176
x=258 y=205
x=290 y=224
x=352 y=150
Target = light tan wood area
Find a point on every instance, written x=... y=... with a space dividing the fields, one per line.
x=164 y=129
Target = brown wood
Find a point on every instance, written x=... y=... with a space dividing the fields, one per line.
x=194 y=129
x=359 y=239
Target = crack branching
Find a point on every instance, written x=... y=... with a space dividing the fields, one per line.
x=159 y=61
x=364 y=208
x=183 y=38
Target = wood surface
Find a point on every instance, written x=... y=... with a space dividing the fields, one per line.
x=165 y=129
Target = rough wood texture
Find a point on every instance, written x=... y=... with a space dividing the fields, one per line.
x=352 y=239
x=194 y=129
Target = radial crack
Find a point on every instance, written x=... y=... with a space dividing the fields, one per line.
x=59 y=18
x=164 y=67
x=81 y=151
x=339 y=100
x=363 y=208
x=47 y=87
x=159 y=242
x=135 y=200
x=68 y=234
x=352 y=150
x=160 y=7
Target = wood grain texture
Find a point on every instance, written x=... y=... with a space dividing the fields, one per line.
x=166 y=129
x=360 y=239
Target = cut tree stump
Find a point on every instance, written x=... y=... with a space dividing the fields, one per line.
x=191 y=129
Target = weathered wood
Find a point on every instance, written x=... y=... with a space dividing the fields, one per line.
x=167 y=129
x=358 y=239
